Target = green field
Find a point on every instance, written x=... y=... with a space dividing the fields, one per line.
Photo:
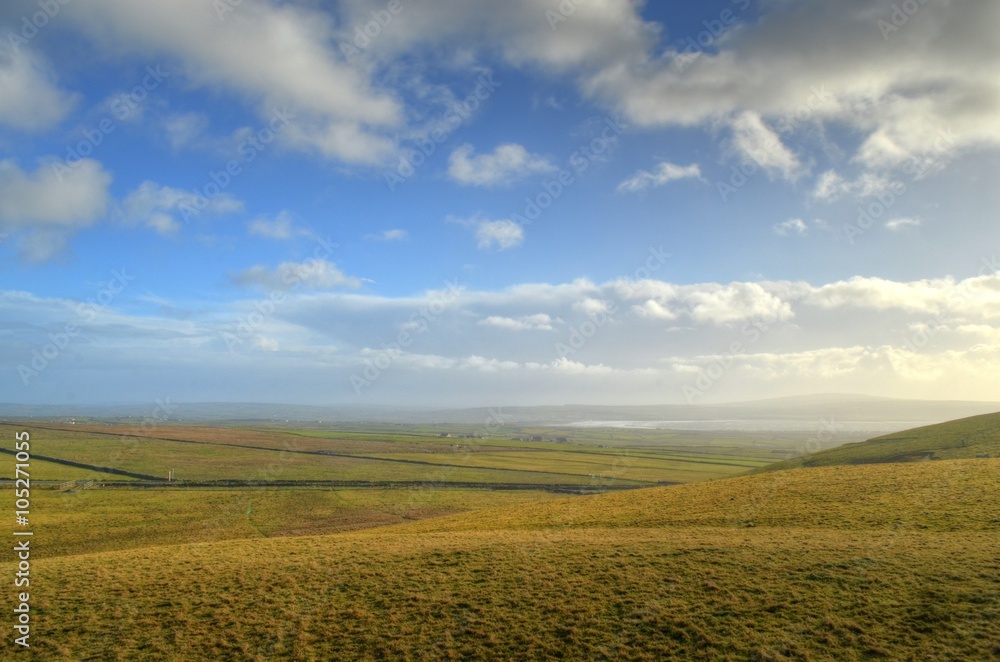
x=964 y=438
x=288 y=455
x=460 y=548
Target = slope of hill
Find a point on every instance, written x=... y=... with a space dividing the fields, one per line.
x=889 y=561
x=964 y=438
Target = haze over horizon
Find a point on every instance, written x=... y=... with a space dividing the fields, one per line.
x=453 y=204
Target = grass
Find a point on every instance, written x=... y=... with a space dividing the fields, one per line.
x=202 y=453
x=618 y=465
x=43 y=470
x=85 y=521
x=217 y=461
x=866 y=562
x=964 y=438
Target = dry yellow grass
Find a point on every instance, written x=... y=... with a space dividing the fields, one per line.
x=894 y=562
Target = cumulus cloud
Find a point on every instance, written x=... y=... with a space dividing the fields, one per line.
x=311 y=274
x=831 y=185
x=537 y=322
x=51 y=197
x=501 y=235
x=777 y=70
x=791 y=226
x=898 y=224
x=44 y=207
x=185 y=129
x=665 y=172
x=505 y=164
x=322 y=337
x=275 y=54
x=158 y=207
x=281 y=227
x=395 y=234
x=757 y=142
x=720 y=304
x=30 y=98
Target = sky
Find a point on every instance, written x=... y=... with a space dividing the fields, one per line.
x=453 y=203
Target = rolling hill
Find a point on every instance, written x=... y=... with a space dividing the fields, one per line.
x=876 y=561
x=964 y=438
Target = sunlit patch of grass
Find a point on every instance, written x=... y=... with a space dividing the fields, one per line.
x=835 y=563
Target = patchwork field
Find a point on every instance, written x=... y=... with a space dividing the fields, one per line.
x=287 y=455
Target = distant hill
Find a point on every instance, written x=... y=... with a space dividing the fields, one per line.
x=810 y=410
x=960 y=439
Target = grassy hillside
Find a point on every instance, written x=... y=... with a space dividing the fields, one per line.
x=964 y=438
x=888 y=561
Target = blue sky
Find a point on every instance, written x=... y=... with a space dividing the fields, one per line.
x=478 y=203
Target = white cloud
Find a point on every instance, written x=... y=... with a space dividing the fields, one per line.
x=721 y=304
x=502 y=234
x=665 y=172
x=395 y=234
x=791 y=226
x=825 y=338
x=276 y=55
x=897 y=224
x=63 y=198
x=927 y=89
x=505 y=164
x=311 y=274
x=830 y=186
x=756 y=141
x=30 y=98
x=537 y=322
x=185 y=129
x=157 y=206
x=974 y=298
x=43 y=208
x=655 y=310
x=279 y=227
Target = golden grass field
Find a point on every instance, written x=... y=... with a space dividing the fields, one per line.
x=868 y=562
